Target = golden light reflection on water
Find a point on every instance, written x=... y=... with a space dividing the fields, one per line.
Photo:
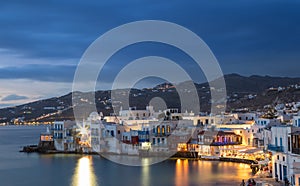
x=208 y=172
x=145 y=172
x=84 y=173
x=182 y=172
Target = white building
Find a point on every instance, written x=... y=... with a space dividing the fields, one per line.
x=285 y=153
x=63 y=135
x=245 y=116
x=94 y=124
x=296 y=121
x=134 y=114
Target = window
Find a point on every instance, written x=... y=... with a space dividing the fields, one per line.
x=163 y=129
x=158 y=129
x=168 y=129
x=277 y=157
x=280 y=172
x=289 y=143
x=283 y=158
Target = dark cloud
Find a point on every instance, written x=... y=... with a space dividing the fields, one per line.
x=52 y=73
x=243 y=35
x=13 y=97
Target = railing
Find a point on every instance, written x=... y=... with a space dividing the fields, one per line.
x=160 y=145
x=69 y=139
x=225 y=143
x=275 y=148
x=57 y=129
x=161 y=134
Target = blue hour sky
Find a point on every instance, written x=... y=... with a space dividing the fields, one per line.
x=41 y=42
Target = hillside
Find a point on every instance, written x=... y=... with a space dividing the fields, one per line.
x=252 y=92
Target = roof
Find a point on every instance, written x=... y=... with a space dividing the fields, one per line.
x=223 y=133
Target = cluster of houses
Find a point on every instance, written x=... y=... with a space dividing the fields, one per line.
x=275 y=141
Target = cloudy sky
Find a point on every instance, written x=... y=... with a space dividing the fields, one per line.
x=41 y=42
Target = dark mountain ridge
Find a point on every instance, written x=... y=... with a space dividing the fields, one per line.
x=253 y=92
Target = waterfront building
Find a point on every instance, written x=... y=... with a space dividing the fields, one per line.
x=94 y=124
x=295 y=156
x=279 y=148
x=244 y=129
x=111 y=136
x=46 y=136
x=285 y=156
x=218 y=143
x=63 y=135
x=160 y=132
x=46 y=141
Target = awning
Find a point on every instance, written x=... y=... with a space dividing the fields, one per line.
x=252 y=151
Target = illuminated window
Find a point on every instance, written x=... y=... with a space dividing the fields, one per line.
x=158 y=129
x=168 y=129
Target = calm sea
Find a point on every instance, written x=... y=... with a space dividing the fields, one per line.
x=33 y=169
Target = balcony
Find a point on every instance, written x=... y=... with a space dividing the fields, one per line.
x=57 y=129
x=69 y=139
x=161 y=134
x=296 y=151
x=275 y=148
x=225 y=143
